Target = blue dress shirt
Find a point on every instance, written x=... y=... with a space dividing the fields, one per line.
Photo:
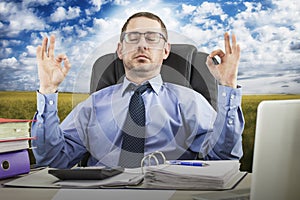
x=179 y=122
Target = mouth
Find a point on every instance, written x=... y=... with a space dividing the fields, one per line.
x=141 y=56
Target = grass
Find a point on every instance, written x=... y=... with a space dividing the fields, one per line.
x=22 y=105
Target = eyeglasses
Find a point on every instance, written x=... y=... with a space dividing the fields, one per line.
x=150 y=37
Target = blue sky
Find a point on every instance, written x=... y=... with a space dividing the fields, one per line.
x=267 y=31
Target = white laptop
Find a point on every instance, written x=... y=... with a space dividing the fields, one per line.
x=276 y=159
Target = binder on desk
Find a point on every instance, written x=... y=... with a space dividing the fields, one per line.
x=14 y=163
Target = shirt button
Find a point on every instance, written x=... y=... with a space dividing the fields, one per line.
x=51 y=102
x=232 y=96
x=230 y=121
x=224 y=94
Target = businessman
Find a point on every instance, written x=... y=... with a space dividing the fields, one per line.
x=121 y=123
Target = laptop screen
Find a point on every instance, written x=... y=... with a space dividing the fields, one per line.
x=276 y=160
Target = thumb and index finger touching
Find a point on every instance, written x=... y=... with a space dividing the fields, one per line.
x=230 y=49
x=226 y=70
x=44 y=51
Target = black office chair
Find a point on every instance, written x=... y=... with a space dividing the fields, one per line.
x=184 y=66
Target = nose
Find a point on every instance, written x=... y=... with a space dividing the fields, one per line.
x=142 y=42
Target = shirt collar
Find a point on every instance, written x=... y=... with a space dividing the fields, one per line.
x=156 y=83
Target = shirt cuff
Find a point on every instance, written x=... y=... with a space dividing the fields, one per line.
x=229 y=96
x=47 y=102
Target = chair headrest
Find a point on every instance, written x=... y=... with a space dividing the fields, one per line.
x=184 y=66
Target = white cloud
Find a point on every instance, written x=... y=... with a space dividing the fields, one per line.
x=81 y=33
x=121 y=2
x=9 y=62
x=5 y=51
x=31 y=50
x=36 y=2
x=7 y=8
x=271 y=84
x=207 y=9
x=267 y=38
x=28 y=63
x=68 y=29
x=7 y=43
x=62 y=14
x=188 y=9
x=25 y=21
x=101 y=23
x=97 y=4
x=19 y=19
x=106 y=28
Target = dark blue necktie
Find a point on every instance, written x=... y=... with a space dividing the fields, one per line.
x=133 y=131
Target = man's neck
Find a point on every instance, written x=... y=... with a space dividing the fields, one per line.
x=139 y=79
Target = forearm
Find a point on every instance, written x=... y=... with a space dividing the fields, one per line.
x=226 y=138
x=52 y=147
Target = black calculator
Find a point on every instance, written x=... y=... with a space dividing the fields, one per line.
x=86 y=173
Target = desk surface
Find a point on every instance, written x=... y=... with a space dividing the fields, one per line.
x=16 y=193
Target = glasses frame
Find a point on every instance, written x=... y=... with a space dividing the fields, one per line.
x=161 y=36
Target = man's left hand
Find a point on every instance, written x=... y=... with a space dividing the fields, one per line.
x=226 y=72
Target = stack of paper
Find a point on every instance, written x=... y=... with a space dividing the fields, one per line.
x=14 y=128
x=14 y=134
x=217 y=175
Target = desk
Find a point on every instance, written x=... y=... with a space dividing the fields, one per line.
x=14 y=193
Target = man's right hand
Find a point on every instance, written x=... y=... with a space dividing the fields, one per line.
x=50 y=70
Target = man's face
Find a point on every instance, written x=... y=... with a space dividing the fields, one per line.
x=143 y=47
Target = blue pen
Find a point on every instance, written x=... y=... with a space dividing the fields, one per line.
x=187 y=163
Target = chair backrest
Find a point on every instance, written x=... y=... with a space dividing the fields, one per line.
x=184 y=66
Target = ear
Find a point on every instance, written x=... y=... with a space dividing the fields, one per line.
x=167 y=50
x=119 y=50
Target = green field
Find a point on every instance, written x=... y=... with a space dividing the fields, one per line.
x=22 y=105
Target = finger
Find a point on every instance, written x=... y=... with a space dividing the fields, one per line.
x=60 y=58
x=234 y=45
x=39 y=52
x=51 y=46
x=217 y=52
x=63 y=58
x=67 y=66
x=44 y=47
x=213 y=68
x=211 y=64
x=227 y=43
x=238 y=51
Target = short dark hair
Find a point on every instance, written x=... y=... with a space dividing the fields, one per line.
x=149 y=16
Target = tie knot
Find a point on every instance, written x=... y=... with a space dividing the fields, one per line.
x=141 y=89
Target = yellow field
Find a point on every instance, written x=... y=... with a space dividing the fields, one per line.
x=22 y=105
